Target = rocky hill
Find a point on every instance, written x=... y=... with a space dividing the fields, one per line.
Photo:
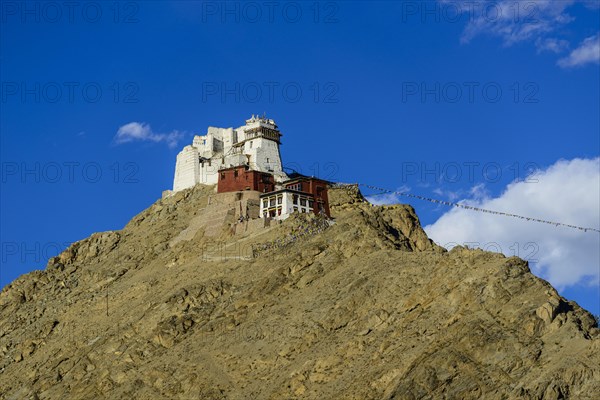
x=366 y=308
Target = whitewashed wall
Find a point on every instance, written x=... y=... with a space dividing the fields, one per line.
x=217 y=146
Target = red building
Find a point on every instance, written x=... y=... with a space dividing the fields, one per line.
x=306 y=193
x=242 y=178
x=314 y=186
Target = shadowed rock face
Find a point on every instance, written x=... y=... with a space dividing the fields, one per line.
x=369 y=308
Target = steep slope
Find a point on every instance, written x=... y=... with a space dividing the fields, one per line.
x=368 y=308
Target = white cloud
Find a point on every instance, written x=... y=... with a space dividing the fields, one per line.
x=551 y=45
x=588 y=52
x=516 y=21
x=592 y=4
x=567 y=192
x=451 y=195
x=136 y=131
x=388 y=198
x=513 y=21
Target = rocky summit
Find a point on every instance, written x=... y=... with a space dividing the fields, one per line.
x=366 y=307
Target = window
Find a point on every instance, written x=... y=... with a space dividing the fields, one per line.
x=295 y=199
x=296 y=186
x=272 y=202
x=251 y=144
x=311 y=203
x=295 y=209
x=265 y=203
x=222 y=175
x=279 y=199
x=302 y=201
x=279 y=211
x=235 y=173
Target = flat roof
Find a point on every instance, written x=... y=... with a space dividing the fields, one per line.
x=286 y=190
x=294 y=177
x=245 y=166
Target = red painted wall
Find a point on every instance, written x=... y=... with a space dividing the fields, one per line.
x=318 y=189
x=244 y=180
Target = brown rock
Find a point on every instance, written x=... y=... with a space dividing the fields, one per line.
x=369 y=308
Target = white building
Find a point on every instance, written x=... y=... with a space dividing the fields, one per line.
x=281 y=203
x=255 y=144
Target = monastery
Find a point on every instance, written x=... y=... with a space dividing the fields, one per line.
x=247 y=160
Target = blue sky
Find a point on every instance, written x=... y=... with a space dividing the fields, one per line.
x=441 y=99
